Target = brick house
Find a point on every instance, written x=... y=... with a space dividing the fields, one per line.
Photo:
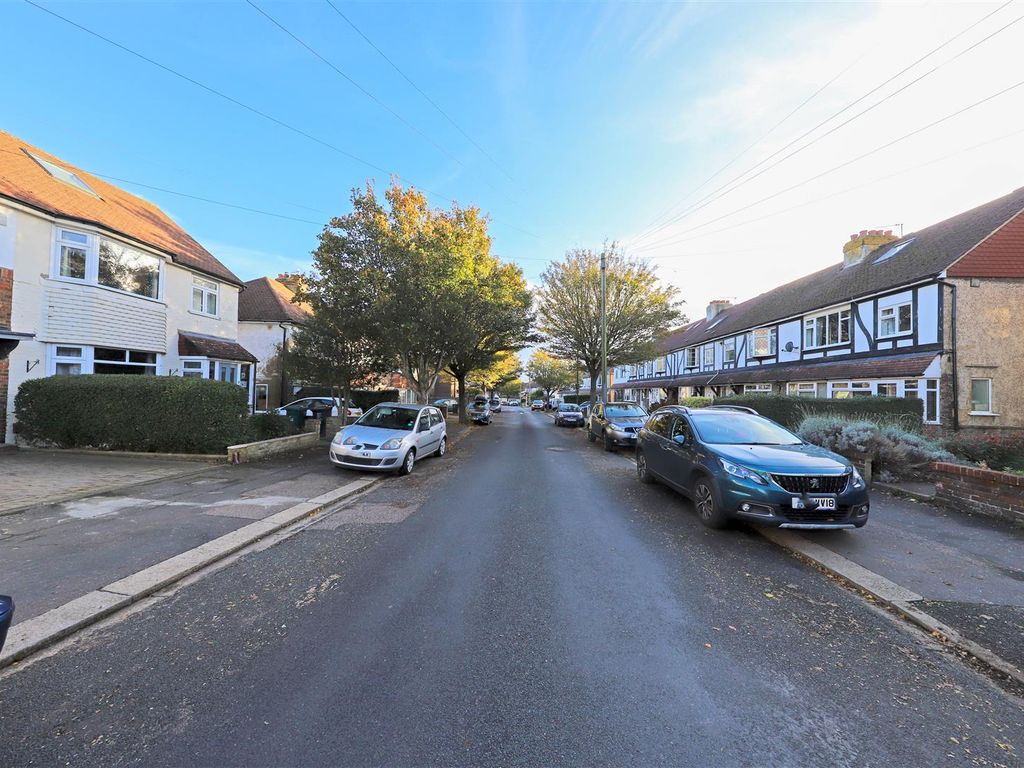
x=96 y=280
x=930 y=315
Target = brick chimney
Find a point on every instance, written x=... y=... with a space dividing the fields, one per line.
x=292 y=281
x=864 y=242
x=716 y=307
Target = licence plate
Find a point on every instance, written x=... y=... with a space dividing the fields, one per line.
x=820 y=503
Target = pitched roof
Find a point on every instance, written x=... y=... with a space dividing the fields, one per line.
x=26 y=181
x=201 y=345
x=914 y=257
x=268 y=300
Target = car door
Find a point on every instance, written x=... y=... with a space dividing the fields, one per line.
x=655 y=442
x=436 y=429
x=679 y=453
x=422 y=433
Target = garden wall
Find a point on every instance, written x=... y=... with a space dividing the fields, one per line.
x=996 y=494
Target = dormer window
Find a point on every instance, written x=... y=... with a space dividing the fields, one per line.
x=63 y=174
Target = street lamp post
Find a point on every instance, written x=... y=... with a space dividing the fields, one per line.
x=604 y=329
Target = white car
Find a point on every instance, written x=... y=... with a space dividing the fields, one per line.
x=391 y=437
x=312 y=404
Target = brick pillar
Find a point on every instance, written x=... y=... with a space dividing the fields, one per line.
x=6 y=297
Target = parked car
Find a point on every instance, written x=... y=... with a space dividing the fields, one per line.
x=568 y=415
x=314 y=405
x=495 y=405
x=447 y=402
x=537 y=405
x=6 y=617
x=479 y=412
x=514 y=402
x=391 y=437
x=616 y=423
x=735 y=463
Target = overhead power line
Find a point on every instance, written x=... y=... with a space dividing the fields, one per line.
x=253 y=110
x=671 y=240
x=732 y=184
x=354 y=83
x=420 y=91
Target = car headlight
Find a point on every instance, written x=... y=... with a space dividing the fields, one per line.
x=350 y=440
x=617 y=427
x=742 y=472
x=392 y=444
x=858 y=481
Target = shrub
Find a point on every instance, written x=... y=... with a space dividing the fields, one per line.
x=267 y=426
x=132 y=413
x=696 y=402
x=790 y=411
x=996 y=451
x=898 y=452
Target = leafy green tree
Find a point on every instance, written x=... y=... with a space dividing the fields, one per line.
x=549 y=372
x=503 y=369
x=640 y=311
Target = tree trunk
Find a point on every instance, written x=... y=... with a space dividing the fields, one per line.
x=593 y=386
x=463 y=414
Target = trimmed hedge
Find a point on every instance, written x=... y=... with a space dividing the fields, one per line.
x=157 y=414
x=267 y=426
x=790 y=411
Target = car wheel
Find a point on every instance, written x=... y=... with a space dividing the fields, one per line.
x=408 y=462
x=705 y=504
x=442 y=447
x=609 y=444
x=642 y=473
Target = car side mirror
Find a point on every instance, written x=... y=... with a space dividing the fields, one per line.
x=6 y=616
x=309 y=412
x=423 y=427
x=679 y=439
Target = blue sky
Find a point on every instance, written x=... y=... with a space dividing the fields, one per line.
x=602 y=114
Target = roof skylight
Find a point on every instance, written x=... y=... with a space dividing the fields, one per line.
x=63 y=174
x=894 y=250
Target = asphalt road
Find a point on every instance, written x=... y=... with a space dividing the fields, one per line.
x=523 y=601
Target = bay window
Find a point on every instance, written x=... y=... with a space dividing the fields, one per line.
x=74 y=360
x=826 y=330
x=895 y=321
x=100 y=261
x=763 y=342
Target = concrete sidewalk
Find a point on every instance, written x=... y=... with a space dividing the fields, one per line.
x=967 y=570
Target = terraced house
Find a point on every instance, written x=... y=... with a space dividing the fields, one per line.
x=931 y=315
x=96 y=280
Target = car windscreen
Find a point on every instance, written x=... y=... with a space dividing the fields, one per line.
x=741 y=429
x=569 y=407
x=389 y=417
x=623 y=411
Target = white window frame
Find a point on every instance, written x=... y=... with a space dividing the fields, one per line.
x=803 y=389
x=691 y=357
x=876 y=385
x=893 y=313
x=201 y=285
x=729 y=348
x=56 y=353
x=92 y=261
x=931 y=387
x=990 y=411
x=757 y=389
x=155 y=365
x=772 y=334
x=810 y=324
x=704 y=356
x=659 y=364
x=204 y=369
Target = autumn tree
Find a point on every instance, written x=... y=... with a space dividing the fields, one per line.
x=640 y=311
x=548 y=372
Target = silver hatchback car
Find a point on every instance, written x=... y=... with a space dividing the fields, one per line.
x=390 y=437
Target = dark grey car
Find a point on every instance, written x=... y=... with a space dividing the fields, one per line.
x=616 y=423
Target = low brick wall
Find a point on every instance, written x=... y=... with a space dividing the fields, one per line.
x=239 y=454
x=997 y=494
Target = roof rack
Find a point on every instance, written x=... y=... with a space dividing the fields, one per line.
x=741 y=408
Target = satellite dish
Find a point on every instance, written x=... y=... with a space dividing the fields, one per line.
x=789 y=346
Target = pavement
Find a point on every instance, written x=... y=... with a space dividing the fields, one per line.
x=523 y=602
x=29 y=478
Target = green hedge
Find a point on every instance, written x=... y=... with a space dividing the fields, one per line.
x=164 y=414
x=267 y=426
x=790 y=411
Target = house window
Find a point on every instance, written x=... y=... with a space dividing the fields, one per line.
x=886 y=389
x=192 y=369
x=763 y=342
x=262 y=396
x=72 y=249
x=894 y=321
x=128 y=269
x=729 y=350
x=659 y=365
x=827 y=330
x=106 y=360
x=691 y=357
x=204 y=296
x=63 y=174
x=981 y=396
x=845 y=389
x=709 y=356
x=68 y=361
x=803 y=389
x=757 y=389
x=931 y=401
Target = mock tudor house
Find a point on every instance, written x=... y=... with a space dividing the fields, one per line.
x=267 y=320
x=931 y=315
x=96 y=280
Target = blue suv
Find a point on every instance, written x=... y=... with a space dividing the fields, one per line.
x=736 y=464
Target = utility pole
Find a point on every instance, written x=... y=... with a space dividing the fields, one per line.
x=604 y=328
